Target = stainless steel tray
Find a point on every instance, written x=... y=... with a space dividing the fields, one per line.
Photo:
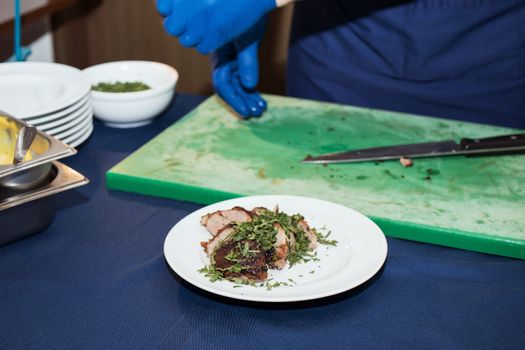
x=45 y=147
x=31 y=212
x=64 y=178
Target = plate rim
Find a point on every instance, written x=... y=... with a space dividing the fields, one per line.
x=57 y=115
x=377 y=264
x=82 y=137
x=49 y=69
x=79 y=133
x=71 y=120
x=80 y=125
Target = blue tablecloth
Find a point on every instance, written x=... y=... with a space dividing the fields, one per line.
x=97 y=279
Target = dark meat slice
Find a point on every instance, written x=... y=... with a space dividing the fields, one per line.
x=215 y=221
x=309 y=233
x=253 y=263
x=216 y=240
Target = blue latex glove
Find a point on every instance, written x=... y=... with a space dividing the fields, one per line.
x=210 y=24
x=236 y=72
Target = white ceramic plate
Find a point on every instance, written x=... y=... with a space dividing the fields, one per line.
x=77 y=134
x=82 y=123
x=67 y=122
x=31 y=89
x=60 y=115
x=359 y=254
x=81 y=137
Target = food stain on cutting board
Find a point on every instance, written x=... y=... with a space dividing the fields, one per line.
x=211 y=149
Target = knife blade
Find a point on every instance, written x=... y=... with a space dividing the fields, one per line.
x=498 y=145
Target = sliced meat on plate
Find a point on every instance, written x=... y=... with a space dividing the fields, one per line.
x=277 y=260
x=215 y=221
x=309 y=233
x=216 y=240
x=248 y=264
x=260 y=210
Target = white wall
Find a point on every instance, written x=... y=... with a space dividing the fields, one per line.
x=41 y=43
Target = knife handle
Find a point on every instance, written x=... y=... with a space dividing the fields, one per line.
x=503 y=142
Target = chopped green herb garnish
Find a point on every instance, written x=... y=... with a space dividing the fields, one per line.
x=231 y=256
x=323 y=239
x=269 y=285
x=118 y=86
x=245 y=248
x=210 y=272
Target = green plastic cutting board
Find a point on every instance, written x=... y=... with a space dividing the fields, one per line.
x=209 y=155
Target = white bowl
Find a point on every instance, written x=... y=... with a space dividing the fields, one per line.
x=131 y=109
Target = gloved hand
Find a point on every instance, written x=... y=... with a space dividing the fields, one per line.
x=236 y=72
x=210 y=24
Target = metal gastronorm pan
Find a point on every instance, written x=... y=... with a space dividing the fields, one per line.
x=31 y=212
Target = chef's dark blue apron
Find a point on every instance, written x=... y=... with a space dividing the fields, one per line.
x=459 y=59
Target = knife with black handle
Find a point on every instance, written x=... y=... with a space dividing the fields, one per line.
x=498 y=145
x=510 y=142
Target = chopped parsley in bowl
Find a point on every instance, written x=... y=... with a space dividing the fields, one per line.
x=121 y=86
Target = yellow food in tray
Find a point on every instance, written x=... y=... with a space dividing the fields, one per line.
x=8 y=131
x=8 y=134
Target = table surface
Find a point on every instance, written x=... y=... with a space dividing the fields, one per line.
x=97 y=279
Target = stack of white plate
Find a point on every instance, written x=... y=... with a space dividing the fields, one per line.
x=54 y=98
